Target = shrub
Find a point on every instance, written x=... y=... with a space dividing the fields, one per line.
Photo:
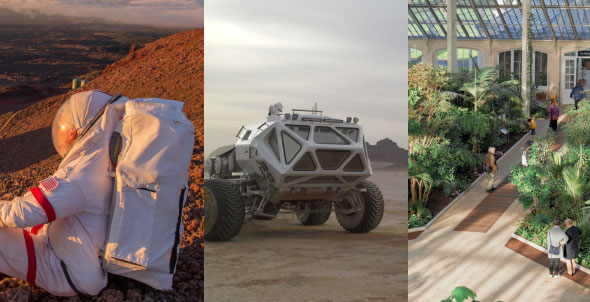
x=539 y=109
x=415 y=222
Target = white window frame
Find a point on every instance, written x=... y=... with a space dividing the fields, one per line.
x=410 y=59
x=521 y=54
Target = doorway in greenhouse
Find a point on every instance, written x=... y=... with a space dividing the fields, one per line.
x=572 y=65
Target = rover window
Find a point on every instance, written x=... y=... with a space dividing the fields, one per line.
x=355 y=165
x=331 y=159
x=273 y=143
x=290 y=146
x=323 y=180
x=327 y=135
x=305 y=163
x=302 y=131
x=352 y=133
x=246 y=135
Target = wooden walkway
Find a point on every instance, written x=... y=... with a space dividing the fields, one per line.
x=487 y=212
x=483 y=217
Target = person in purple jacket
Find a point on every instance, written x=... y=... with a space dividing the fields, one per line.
x=553 y=116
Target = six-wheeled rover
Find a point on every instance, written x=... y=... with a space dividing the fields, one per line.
x=301 y=161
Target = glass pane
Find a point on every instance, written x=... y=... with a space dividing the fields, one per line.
x=290 y=147
x=326 y=135
x=352 y=133
x=302 y=131
x=246 y=135
x=517 y=55
x=355 y=165
x=272 y=141
x=331 y=159
x=305 y=163
x=505 y=63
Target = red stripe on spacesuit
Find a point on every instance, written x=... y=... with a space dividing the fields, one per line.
x=35 y=229
x=32 y=264
x=44 y=203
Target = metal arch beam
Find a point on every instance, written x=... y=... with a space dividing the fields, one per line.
x=485 y=29
x=569 y=13
x=549 y=20
x=411 y=13
x=435 y=17
x=504 y=21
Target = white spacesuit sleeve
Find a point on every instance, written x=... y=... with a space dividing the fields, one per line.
x=52 y=199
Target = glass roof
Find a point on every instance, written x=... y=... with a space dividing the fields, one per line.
x=500 y=19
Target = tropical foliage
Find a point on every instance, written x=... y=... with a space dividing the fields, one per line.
x=556 y=185
x=451 y=119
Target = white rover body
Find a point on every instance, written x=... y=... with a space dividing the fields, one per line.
x=302 y=161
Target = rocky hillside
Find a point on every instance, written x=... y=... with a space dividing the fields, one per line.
x=387 y=150
x=171 y=68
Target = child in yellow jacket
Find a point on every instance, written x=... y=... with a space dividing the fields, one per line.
x=532 y=125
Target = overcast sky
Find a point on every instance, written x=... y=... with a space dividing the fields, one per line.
x=172 y=13
x=348 y=56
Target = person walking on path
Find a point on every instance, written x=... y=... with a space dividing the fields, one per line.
x=556 y=238
x=532 y=125
x=553 y=116
x=578 y=92
x=572 y=247
x=491 y=168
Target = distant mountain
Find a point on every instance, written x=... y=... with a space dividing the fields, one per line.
x=387 y=150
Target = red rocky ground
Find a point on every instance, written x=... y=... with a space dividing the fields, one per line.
x=171 y=68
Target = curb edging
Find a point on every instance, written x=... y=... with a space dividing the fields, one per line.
x=544 y=250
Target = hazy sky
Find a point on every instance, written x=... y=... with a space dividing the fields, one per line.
x=348 y=56
x=175 y=13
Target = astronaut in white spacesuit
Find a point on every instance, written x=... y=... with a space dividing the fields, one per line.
x=52 y=235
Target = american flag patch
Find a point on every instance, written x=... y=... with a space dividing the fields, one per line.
x=49 y=184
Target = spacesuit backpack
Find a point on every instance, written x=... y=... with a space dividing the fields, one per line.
x=151 y=150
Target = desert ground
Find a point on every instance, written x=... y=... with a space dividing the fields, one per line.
x=282 y=260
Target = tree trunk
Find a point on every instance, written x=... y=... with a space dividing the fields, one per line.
x=413 y=188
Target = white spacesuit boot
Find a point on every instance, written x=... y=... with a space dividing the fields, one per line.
x=65 y=218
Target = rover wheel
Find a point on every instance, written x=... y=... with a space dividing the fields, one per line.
x=315 y=213
x=370 y=217
x=224 y=210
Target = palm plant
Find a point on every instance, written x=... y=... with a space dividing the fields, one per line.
x=420 y=184
x=584 y=225
x=485 y=86
x=557 y=165
x=576 y=185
